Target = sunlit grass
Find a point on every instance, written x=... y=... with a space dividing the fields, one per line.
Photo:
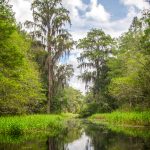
x=69 y=115
x=19 y=125
x=124 y=118
x=37 y=127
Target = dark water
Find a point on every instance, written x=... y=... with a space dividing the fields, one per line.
x=84 y=136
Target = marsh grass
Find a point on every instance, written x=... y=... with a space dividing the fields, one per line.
x=19 y=125
x=124 y=118
x=27 y=128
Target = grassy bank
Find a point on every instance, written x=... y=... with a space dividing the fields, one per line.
x=123 y=118
x=19 y=125
x=19 y=129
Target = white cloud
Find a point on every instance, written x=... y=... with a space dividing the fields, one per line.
x=22 y=10
x=75 y=3
x=116 y=28
x=140 y=4
x=74 y=6
x=97 y=12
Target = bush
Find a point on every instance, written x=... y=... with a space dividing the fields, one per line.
x=94 y=107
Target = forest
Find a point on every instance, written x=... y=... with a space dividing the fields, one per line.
x=33 y=79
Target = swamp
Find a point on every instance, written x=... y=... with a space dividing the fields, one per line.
x=74 y=75
x=80 y=134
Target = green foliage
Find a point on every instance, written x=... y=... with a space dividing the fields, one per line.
x=20 y=87
x=129 y=67
x=16 y=130
x=97 y=48
x=20 y=84
x=65 y=131
x=50 y=18
x=90 y=109
x=124 y=118
x=7 y=20
x=144 y=73
x=69 y=100
x=31 y=124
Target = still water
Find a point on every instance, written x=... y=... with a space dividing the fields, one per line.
x=81 y=135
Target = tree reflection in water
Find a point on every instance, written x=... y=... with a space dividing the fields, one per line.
x=84 y=136
x=98 y=137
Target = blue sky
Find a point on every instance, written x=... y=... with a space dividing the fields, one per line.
x=113 y=16
x=115 y=7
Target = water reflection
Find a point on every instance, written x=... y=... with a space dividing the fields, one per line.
x=105 y=139
x=84 y=136
x=83 y=143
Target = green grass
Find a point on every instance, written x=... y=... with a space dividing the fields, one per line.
x=69 y=115
x=123 y=118
x=19 y=129
x=19 y=125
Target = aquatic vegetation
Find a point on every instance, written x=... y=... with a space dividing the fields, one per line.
x=80 y=132
x=19 y=125
x=67 y=130
x=135 y=124
x=124 y=118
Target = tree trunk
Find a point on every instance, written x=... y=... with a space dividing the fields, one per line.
x=49 y=85
x=50 y=71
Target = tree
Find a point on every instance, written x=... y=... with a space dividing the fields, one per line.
x=97 y=47
x=20 y=87
x=145 y=49
x=50 y=18
x=73 y=100
x=127 y=67
x=7 y=20
x=62 y=75
x=69 y=100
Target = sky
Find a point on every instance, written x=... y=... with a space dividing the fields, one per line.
x=112 y=16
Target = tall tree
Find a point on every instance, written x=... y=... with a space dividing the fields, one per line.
x=50 y=18
x=97 y=48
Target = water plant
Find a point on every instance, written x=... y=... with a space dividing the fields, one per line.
x=124 y=118
x=19 y=125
